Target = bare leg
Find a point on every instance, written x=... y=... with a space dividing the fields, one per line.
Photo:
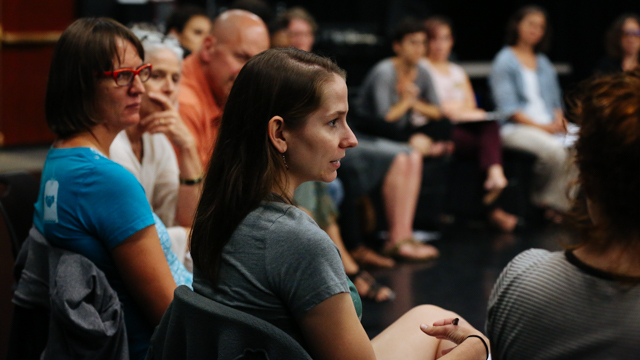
x=400 y=191
x=404 y=340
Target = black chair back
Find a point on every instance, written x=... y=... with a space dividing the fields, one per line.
x=18 y=192
x=196 y=327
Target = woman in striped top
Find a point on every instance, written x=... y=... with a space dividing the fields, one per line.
x=584 y=303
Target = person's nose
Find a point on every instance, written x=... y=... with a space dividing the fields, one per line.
x=349 y=140
x=168 y=87
x=137 y=87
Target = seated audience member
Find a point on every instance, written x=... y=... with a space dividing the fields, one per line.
x=279 y=34
x=398 y=98
x=302 y=28
x=313 y=197
x=396 y=169
x=474 y=137
x=285 y=124
x=526 y=91
x=171 y=185
x=190 y=25
x=207 y=76
x=87 y=203
x=622 y=44
x=583 y=303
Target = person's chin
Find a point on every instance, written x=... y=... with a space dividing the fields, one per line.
x=327 y=178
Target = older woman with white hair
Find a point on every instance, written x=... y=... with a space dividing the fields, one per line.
x=172 y=184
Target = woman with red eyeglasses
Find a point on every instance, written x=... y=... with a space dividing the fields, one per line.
x=88 y=204
x=171 y=179
x=622 y=44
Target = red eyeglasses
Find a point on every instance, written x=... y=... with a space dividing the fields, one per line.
x=124 y=77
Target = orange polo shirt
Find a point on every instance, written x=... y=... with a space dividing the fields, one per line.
x=198 y=108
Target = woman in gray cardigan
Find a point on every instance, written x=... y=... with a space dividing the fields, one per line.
x=525 y=89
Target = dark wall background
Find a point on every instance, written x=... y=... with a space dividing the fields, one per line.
x=578 y=27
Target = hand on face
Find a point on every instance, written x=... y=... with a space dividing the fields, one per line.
x=167 y=121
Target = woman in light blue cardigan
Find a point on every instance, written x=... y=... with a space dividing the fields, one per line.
x=526 y=91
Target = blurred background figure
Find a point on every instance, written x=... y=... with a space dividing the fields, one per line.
x=622 y=44
x=190 y=25
x=207 y=77
x=279 y=33
x=302 y=28
x=525 y=88
x=475 y=137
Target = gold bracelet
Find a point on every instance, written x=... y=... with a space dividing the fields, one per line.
x=190 y=182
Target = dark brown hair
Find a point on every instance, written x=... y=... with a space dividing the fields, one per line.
x=298 y=12
x=512 y=34
x=432 y=24
x=608 y=153
x=179 y=18
x=245 y=167
x=614 y=35
x=86 y=48
x=406 y=26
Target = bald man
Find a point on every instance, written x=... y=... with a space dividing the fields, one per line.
x=208 y=74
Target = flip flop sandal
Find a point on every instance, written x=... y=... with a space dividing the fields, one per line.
x=368 y=258
x=374 y=287
x=394 y=252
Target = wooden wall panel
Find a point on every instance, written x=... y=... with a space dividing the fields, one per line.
x=28 y=31
x=24 y=77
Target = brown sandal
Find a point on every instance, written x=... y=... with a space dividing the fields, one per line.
x=374 y=288
x=366 y=257
x=394 y=251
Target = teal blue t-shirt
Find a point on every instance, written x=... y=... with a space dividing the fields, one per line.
x=89 y=204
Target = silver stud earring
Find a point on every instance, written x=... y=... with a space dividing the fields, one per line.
x=284 y=160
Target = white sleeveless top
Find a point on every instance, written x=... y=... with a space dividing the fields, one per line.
x=449 y=87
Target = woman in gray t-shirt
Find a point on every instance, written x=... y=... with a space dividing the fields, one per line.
x=285 y=124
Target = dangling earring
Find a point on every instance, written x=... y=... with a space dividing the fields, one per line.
x=284 y=160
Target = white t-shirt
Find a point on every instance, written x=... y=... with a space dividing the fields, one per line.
x=535 y=108
x=451 y=86
x=158 y=173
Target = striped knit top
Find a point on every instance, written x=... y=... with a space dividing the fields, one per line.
x=550 y=305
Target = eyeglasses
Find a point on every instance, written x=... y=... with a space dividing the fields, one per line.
x=125 y=77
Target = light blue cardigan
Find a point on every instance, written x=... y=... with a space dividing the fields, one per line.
x=507 y=85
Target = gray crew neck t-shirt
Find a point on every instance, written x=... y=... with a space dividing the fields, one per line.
x=277 y=265
x=545 y=307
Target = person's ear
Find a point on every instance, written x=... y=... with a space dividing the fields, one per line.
x=277 y=133
x=208 y=48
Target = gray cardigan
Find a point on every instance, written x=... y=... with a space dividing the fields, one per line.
x=507 y=84
x=86 y=320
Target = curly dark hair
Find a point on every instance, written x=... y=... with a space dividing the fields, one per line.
x=614 y=35
x=512 y=34
x=607 y=108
